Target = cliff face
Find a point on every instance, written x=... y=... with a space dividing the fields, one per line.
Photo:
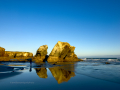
x=41 y=53
x=7 y=55
x=18 y=54
x=62 y=51
x=2 y=52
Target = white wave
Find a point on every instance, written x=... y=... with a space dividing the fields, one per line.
x=112 y=60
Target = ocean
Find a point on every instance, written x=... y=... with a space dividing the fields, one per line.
x=90 y=74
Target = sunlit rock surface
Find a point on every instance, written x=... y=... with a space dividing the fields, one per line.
x=38 y=59
x=41 y=53
x=62 y=51
x=10 y=54
x=41 y=72
x=42 y=50
x=2 y=52
x=30 y=54
x=61 y=75
x=18 y=54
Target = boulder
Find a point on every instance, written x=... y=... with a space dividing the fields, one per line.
x=107 y=63
x=2 y=52
x=41 y=53
x=62 y=51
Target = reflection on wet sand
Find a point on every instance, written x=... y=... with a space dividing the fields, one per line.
x=41 y=72
x=61 y=75
x=64 y=72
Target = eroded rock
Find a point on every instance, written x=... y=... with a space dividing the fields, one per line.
x=18 y=54
x=10 y=54
x=62 y=51
x=14 y=55
x=2 y=51
x=41 y=53
x=25 y=54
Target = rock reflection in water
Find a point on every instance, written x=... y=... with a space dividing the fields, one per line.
x=41 y=72
x=61 y=75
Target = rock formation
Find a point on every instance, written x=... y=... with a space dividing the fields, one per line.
x=41 y=53
x=18 y=54
x=61 y=75
x=62 y=51
x=2 y=52
x=41 y=72
x=15 y=56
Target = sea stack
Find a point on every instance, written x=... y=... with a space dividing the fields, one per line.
x=41 y=53
x=62 y=51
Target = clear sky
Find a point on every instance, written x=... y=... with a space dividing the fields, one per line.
x=92 y=26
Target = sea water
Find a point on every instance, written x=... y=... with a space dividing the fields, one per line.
x=90 y=74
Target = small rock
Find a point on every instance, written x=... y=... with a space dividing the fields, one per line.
x=107 y=63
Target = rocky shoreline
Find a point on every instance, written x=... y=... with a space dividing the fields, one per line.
x=62 y=52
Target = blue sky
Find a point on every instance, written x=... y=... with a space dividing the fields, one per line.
x=92 y=26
